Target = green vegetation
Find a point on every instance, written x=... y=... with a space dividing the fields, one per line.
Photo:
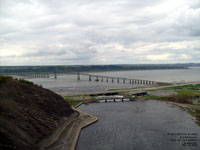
x=72 y=101
x=195 y=113
x=4 y=79
x=191 y=87
x=25 y=81
x=77 y=99
x=82 y=68
x=185 y=94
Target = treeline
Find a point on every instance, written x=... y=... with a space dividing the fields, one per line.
x=87 y=68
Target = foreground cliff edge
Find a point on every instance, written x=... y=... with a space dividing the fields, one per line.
x=33 y=118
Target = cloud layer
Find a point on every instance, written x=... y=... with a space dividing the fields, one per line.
x=47 y=32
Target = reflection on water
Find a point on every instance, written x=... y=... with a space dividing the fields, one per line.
x=138 y=125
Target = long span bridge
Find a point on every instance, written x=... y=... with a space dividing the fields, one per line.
x=91 y=77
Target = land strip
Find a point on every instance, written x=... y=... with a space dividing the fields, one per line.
x=67 y=134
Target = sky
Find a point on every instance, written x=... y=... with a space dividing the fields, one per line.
x=91 y=32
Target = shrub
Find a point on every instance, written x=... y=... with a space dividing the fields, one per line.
x=25 y=81
x=4 y=79
x=183 y=97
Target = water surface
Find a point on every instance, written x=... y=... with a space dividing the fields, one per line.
x=68 y=84
x=139 y=125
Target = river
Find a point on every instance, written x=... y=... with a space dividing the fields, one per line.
x=68 y=84
x=138 y=125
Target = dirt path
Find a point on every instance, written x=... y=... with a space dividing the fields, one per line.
x=66 y=136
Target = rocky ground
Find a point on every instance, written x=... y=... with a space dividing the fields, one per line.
x=28 y=114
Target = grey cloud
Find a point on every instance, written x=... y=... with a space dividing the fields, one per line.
x=86 y=29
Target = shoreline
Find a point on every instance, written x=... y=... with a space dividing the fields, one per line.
x=67 y=134
x=130 y=89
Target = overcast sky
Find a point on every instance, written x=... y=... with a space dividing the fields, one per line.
x=70 y=32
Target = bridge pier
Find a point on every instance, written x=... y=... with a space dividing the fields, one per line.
x=124 y=81
x=117 y=80
x=112 y=80
x=90 y=78
x=102 y=79
x=55 y=76
x=78 y=75
x=106 y=79
x=130 y=81
x=97 y=78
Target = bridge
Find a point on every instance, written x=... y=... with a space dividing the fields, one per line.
x=96 y=78
x=112 y=99
x=99 y=78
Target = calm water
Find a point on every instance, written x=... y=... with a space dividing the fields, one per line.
x=139 y=125
x=68 y=84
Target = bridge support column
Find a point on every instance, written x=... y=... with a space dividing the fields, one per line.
x=106 y=79
x=123 y=80
x=55 y=76
x=90 y=78
x=130 y=81
x=112 y=80
x=102 y=79
x=78 y=75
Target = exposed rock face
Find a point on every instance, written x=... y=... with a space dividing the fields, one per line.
x=28 y=113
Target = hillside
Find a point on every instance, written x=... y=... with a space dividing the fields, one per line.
x=28 y=113
x=88 y=68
